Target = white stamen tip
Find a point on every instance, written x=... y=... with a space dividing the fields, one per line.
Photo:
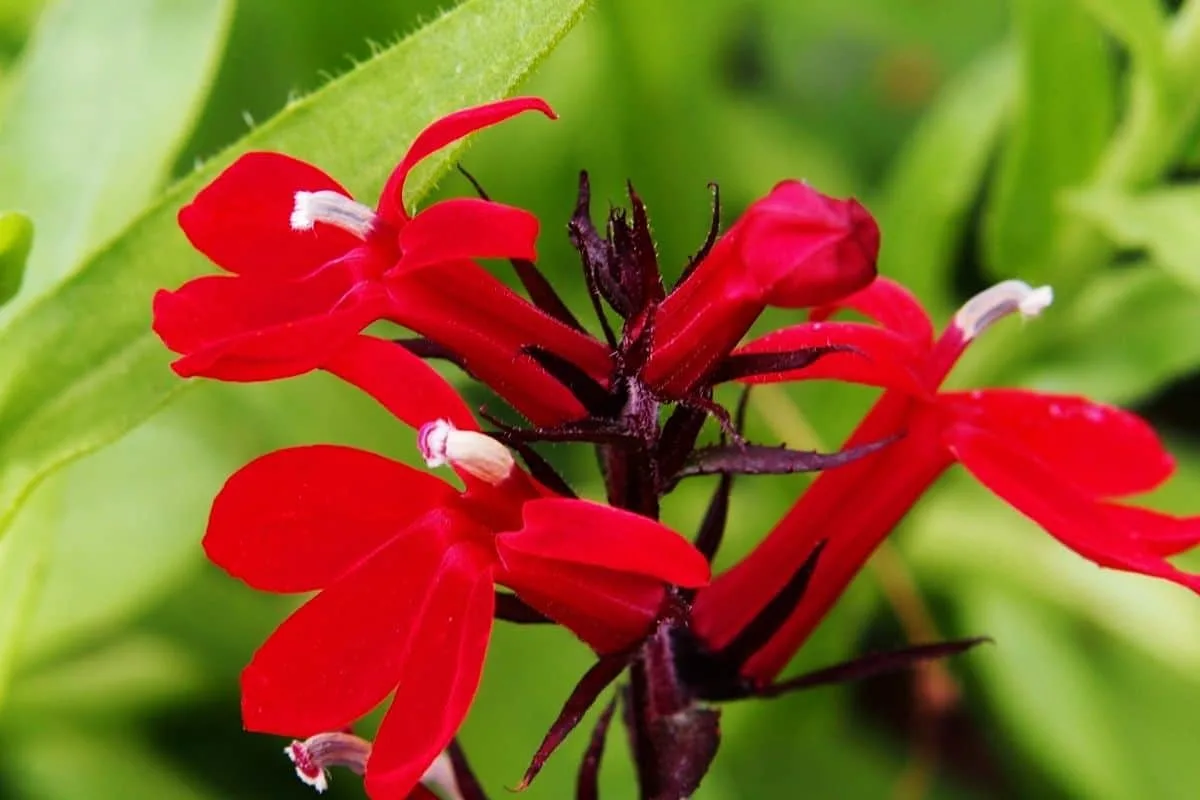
x=315 y=755
x=478 y=454
x=997 y=302
x=331 y=208
x=307 y=769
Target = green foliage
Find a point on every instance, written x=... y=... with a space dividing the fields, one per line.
x=16 y=239
x=1028 y=139
x=1064 y=116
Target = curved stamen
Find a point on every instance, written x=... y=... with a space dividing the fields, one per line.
x=478 y=454
x=315 y=755
x=331 y=208
x=997 y=302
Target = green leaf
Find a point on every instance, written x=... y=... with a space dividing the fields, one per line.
x=1064 y=117
x=1043 y=688
x=16 y=238
x=1125 y=335
x=105 y=96
x=132 y=675
x=23 y=558
x=1140 y=25
x=1166 y=222
x=924 y=207
x=61 y=762
x=67 y=393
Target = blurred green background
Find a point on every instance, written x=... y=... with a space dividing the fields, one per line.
x=1053 y=140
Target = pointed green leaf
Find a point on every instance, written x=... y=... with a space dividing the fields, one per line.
x=16 y=238
x=1064 y=116
x=1166 y=222
x=24 y=554
x=1140 y=25
x=102 y=101
x=69 y=389
x=924 y=207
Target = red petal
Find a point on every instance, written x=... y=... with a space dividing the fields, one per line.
x=401 y=382
x=343 y=651
x=297 y=519
x=608 y=610
x=444 y=131
x=804 y=249
x=583 y=532
x=881 y=358
x=1039 y=492
x=242 y=220
x=437 y=684
x=466 y=309
x=243 y=329
x=1105 y=451
x=1163 y=534
x=466 y=228
x=892 y=306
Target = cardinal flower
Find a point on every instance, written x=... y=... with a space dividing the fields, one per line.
x=1063 y=461
x=311 y=267
x=405 y=566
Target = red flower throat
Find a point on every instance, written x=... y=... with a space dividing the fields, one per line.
x=406 y=566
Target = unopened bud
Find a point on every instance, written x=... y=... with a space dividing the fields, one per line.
x=997 y=302
x=478 y=454
x=331 y=208
x=315 y=755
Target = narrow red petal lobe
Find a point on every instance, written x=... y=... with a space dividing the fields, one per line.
x=584 y=532
x=246 y=329
x=342 y=652
x=297 y=519
x=487 y=327
x=466 y=228
x=1162 y=534
x=1105 y=451
x=1050 y=500
x=878 y=358
x=892 y=306
x=401 y=382
x=445 y=131
x=607 y=610
x=242 y=220
x=437 y=684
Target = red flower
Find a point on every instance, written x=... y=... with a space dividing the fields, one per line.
x=1060 y=460
x=405 y=565
x=312 y=267
x=795 y=248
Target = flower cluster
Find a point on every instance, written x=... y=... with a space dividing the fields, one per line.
x=406 y=566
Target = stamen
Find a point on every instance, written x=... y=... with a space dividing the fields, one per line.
x=314 y=756
x=997 y=302
x=331 y=208
x=478 y=454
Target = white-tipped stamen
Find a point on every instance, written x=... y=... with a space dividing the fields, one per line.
x=997 y=302
x=478 y=454
x=314 y=756
x=331 y=208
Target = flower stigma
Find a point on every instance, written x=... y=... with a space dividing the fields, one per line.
x=331 y=208
x=997 y=302
x=441 y=443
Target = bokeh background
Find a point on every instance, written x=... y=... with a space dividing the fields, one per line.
x=1047 y=139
